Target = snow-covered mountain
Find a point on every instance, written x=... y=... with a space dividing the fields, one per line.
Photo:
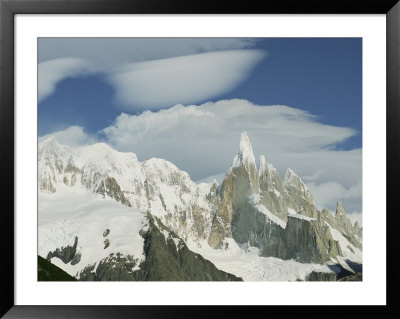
x=154 y=185
x=100 y=208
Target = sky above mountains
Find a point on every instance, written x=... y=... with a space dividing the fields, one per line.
x=188 y=99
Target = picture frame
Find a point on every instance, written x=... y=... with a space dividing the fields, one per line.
x=8 y=10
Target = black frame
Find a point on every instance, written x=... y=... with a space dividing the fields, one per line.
x=8 y=8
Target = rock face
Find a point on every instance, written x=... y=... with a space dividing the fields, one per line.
x=67 y=254
x=321 y=276
x=304 y=240
x=352 y=233
x=109 y=187
x=280 y=218
x=167 y=258
x=272 y=189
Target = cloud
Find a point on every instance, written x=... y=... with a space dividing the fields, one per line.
x=112 y=51
x=203 y=140
x=72 y=136
x=51 y=72
x=328 y=194
x=150 y=73
x=186 y=79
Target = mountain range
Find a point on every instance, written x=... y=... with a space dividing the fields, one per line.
x=103 y=215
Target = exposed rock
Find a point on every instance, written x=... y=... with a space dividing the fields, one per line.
x=279 y=218
x=221 y=224
x=170 y=259
x=355 y=277
x=116 y=267
x=344 y=225
x=47 y=185
x=66 y=254
x=272 y=190
x=245 y=158
x=167 y=258
x=357 y=230
x=321 y=276
x=302 y=240
x=110 y=187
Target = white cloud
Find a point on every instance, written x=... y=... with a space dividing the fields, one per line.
x=186 y=79
x=72 y=136
x=51 y=72
x=204 y=139
x=328 y=194
x=112 y=51
x=154 y=84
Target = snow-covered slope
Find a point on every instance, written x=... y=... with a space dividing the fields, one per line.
x=155 y=184
x=99 y=227
x=245 y=261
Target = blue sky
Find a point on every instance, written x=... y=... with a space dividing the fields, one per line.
x=112 y=90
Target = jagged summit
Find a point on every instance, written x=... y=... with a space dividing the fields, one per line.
x=290 y=176
x=245 y=155
x=339 y=209
x=292 y=179
x=262 y=168
x=268 y=173
x=294 y=182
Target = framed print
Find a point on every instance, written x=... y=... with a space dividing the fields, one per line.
x=163 y=155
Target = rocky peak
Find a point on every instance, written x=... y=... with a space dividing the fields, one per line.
x=245 y=156
x=293 y=181
x=267 y=171
x=357 y=229
x=263 y=168
x=245 y=161
x=292 y=178
x=339 y=210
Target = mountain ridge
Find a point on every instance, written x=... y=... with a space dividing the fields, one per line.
x=252 y=206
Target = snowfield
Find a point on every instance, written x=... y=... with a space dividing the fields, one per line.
x=75 y=212
x=246 y=263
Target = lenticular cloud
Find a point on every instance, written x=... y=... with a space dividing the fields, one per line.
x=51 y=72
x=184 y=80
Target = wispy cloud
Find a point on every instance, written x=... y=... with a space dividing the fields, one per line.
x=160 y=83
x=187 y=79
x=51 y=72
x=113 y=51
x=327 y=194
x=203 y=140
